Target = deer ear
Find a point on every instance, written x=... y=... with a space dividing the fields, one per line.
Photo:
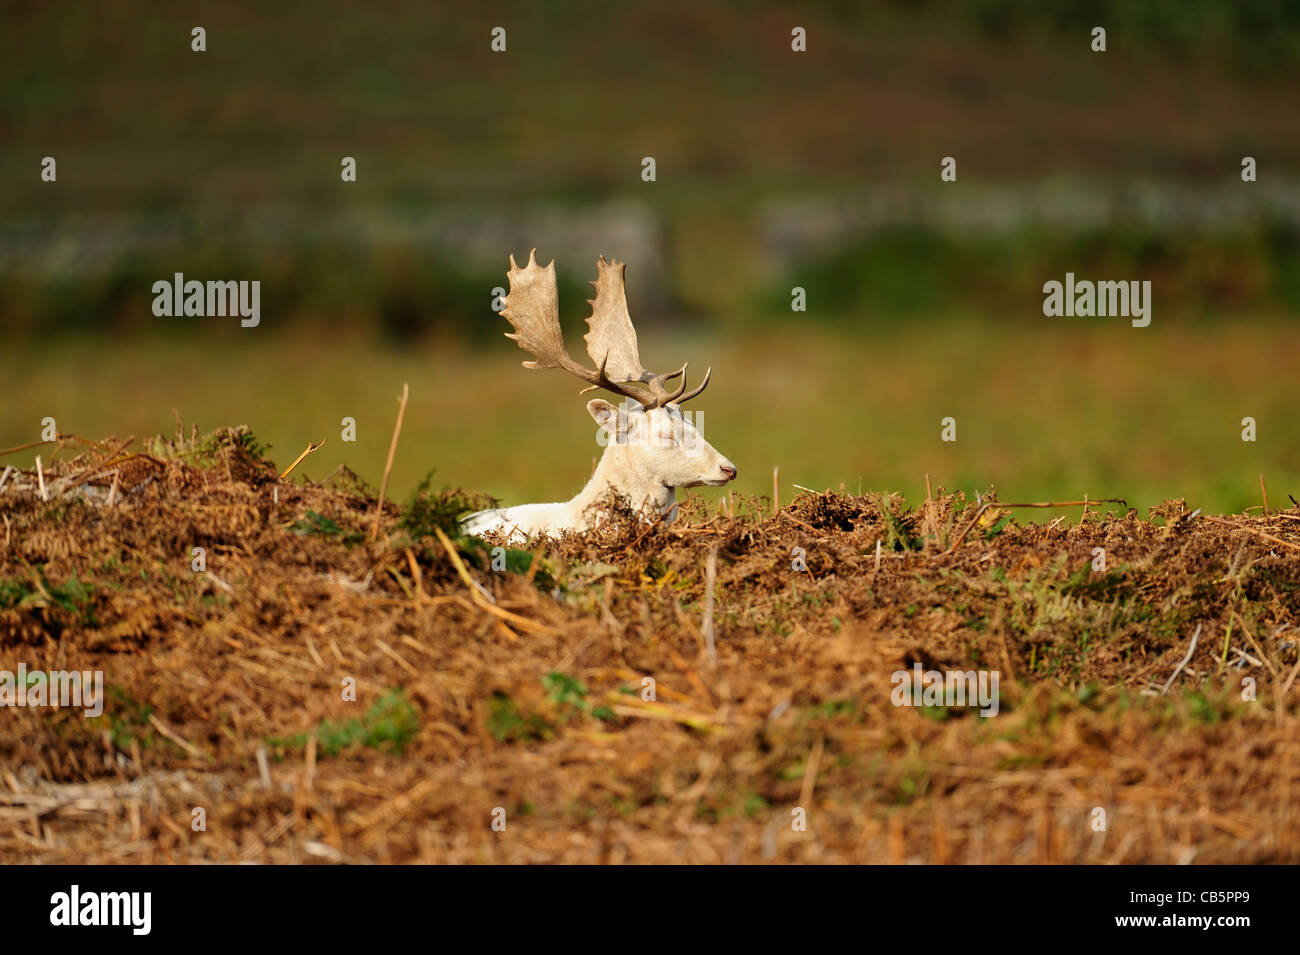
x=611 y=419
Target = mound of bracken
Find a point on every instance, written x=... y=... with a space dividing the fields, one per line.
x=293 y=673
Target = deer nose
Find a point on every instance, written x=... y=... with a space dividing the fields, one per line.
x=730 y=471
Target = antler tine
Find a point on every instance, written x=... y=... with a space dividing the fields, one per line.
x=661 y=394
x=602 y=381
x=696 y=392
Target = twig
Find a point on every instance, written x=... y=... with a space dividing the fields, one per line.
x=636 y=707
x=1249 y=636
x=392 y=450
x=25 y=447
x=162 y=728
x=1190 y=650
x=645 y=533
x=534 y=563
x=40 y=475
x=417 y=576
x=962 y=536
x=410 y=594
x=482 y=598
x=1086 y=502
x=790 y=517
x=810 y=773
x=1243 y=527
x=776 y=491
x=1286 y=687
x=298 y=460
x=1243 y=655
x=394 y=655
x=1264 y=491
x=264 y=767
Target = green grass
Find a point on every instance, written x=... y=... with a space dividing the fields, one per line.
x=389 y=724
x=318 y=525
x=71 y=595
x=1045 y=410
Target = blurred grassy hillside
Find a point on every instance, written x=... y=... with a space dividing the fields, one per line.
x=774 y=170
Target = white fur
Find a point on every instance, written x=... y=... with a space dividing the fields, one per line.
x=649 y=454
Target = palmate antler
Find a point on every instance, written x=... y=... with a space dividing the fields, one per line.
x=533 y=309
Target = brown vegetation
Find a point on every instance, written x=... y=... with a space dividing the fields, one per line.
x=523 y=689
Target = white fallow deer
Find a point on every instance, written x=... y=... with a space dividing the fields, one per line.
x=651 y=449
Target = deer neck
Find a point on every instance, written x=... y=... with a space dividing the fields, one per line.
x=623 y=470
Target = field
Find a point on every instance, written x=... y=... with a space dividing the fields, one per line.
x=519 y=696
x=1043 y=411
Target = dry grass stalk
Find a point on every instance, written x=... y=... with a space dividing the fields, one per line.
x=170 y=734
x=710 y=581
x=1191 y=649
x=810 y=773
x=26 y=447
x=388 y=465
x=1258 y=649
x=1250 y=530
x=417 y=576
x=393 y=655
x=298 y=460
x=482 y=598
x=264 y=768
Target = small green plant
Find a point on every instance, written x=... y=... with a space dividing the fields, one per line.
x=899 y=536
x=129 y=720
x=508 y=725
x=569 y=691
x=318 y=525
x=389 y=724
x=428 y=511
x=997 y=528
x=72 y=595
x=206 y=450
x=563 y=688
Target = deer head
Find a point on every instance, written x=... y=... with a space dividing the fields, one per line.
x=652 y=442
